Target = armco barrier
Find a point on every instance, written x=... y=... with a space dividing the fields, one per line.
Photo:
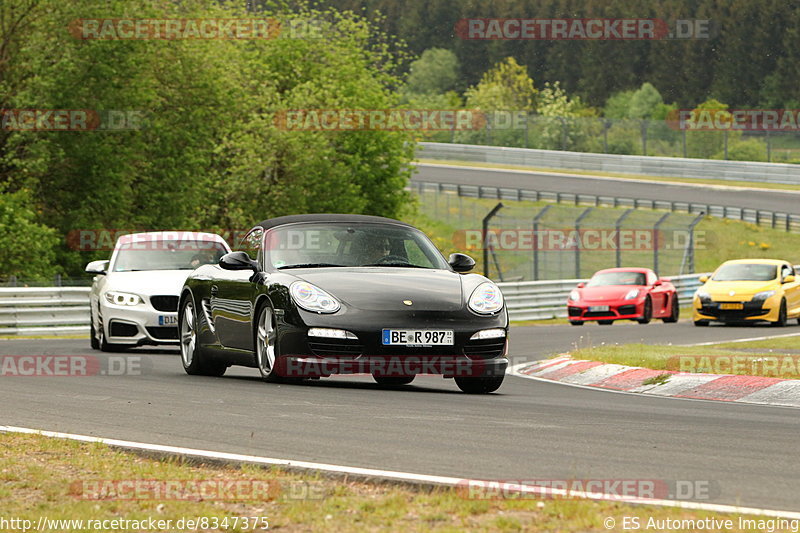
x=44 y=310
x=626 y=164
x=540 y=300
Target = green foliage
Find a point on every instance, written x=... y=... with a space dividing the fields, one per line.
x=435 y=72
x=747 y=150
x=28 y=246
x=645 y=102
x=506 y=86
x=211 y=153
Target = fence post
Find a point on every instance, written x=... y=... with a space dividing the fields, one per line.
x=617 y=228
x=485 y=235
x=536 y=220
x=644 y=137
x=689 y=251
x=579 y=240
x=655 y=240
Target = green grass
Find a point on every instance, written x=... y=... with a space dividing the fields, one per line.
x=772 y=358
x=47 y=477
x=592 y=173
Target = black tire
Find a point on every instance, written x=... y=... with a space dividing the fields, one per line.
x=479 y=385
x=648 y=312
x=393 y=380
x=194 y=360
x=676 y=311
x=701 y=323
x=605 y=322
x=93 y=342
x=576 y=322
x=782 y=316
x=265 y=344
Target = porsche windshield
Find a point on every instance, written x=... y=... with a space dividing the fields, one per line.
x=746 y=272
x=167 y=255
x=616 y=278
x=350 y=245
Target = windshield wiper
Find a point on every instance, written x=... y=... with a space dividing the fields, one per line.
x=309 y=265
x=407 y=265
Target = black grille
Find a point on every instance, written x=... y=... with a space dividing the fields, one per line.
x=163 y=332
x=165 y=303
x=750 y=309
x=574 y=311
x=627 y=310
x=331 y=347
x=121 y=329
x=484 y=348
x=593 y=314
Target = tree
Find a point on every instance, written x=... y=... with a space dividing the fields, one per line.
x=435 y=72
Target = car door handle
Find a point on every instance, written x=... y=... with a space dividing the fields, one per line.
x=214 y=290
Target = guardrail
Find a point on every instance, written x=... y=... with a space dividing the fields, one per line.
x=44 y=310
x=541 y=300
x=759 y=217
x=627 y=164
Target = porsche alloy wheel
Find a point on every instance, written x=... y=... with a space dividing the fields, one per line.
x=192 y=357
x=266 y=334
x=675 y=312
x=647 y=315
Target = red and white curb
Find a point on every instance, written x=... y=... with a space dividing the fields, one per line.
x=719 y=387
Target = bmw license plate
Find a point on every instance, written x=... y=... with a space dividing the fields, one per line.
x=165 y=320
x=417 y=337
x=596 y=308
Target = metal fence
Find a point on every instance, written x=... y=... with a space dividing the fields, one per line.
x=44 y=310
x=625 y=136
x=624 y=164
x=542 y=300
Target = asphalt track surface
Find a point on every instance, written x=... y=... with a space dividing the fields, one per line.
x=780 y=201
x=527 y=430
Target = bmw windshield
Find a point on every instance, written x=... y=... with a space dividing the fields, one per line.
x=166 y=255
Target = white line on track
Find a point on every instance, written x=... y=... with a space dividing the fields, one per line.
x=655 y=181
x=423 y=479
x=764 y=338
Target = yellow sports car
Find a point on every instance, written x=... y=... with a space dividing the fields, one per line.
x=748 y=290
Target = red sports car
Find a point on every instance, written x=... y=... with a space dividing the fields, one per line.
x=623 y=294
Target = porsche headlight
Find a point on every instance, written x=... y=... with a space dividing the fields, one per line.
x=312 y=298
x=123 y=298
x=574 y=296
x=763 y=295
x=703 y=296
x=486 y=299
x=633 y=293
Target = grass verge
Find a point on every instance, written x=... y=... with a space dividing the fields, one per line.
x=47 y=477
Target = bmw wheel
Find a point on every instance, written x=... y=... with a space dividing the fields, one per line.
x=102 y=343
x=93 y=342
x=192 y=357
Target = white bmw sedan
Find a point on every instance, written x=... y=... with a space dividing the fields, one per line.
x=134 y=296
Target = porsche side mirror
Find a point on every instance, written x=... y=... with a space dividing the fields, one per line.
x=238 y=261
x=581 y=285
x=658 y=283
x=97 y=267
x=788 y=279
x=703 y=279
x=461 y=262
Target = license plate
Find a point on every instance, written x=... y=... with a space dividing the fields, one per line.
x=417 y=337
x=731 y=307
x=164 y=320
x=595 y=308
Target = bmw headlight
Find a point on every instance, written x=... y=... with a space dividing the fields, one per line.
x=123 y=298
x=703 y=296
x=574 y=296
x=312 y=298
x=763 y=295
x=633 y=293
x=486 y=299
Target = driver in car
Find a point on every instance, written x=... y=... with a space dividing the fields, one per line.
x=375 y=250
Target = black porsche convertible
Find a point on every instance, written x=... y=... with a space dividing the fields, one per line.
x=319 y=295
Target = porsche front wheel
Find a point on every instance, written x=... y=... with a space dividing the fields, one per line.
x=266 y=344
x=675 y=313
x=194 y=361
